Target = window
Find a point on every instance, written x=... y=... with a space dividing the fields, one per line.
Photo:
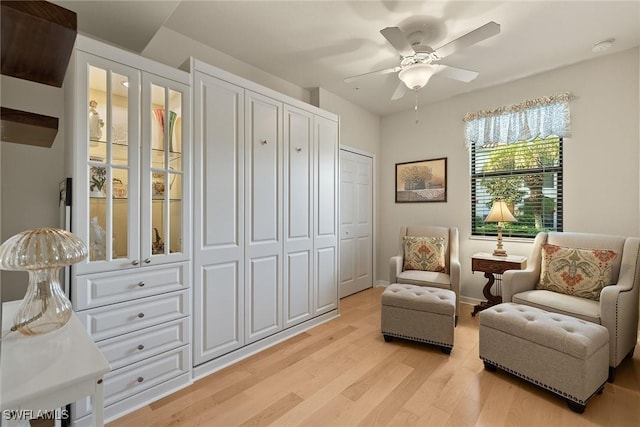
x=527 y=176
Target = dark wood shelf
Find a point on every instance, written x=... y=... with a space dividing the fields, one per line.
x=37 y=40
x=22 y=127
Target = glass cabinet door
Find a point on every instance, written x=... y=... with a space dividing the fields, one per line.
x=164 y=106
x=108 y=144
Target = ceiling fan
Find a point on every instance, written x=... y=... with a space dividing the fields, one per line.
x=419 y=62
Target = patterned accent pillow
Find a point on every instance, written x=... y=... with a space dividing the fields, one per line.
x=424 y=253
x=579 y=272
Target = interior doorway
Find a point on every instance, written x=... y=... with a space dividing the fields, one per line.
x=356 y=222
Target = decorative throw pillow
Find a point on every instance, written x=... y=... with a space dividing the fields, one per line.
x=579 y=272
x=424 y=253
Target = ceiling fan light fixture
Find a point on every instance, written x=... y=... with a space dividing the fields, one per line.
x=416 y=76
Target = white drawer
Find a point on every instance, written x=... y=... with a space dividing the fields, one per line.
x=123 y=383
x=95 y=290
x=118 y=319
x=130 y=348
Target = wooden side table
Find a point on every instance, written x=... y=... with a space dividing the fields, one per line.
x=493 y=265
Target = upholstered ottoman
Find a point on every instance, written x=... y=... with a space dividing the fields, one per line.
x=563 y=354
x=419 y=313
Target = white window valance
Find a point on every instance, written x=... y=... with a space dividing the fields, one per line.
x=536 y=118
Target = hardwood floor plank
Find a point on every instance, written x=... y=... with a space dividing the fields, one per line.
x=377 y=392
x=393 y=403
x=268 y=415
x=342 y=373
x=497 y=406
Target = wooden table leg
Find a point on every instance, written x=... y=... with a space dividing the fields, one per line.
x=486 y=291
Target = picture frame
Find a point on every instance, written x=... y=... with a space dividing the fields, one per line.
x=421 y=181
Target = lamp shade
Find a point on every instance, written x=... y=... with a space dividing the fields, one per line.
x=41 y=248
x=416 y=76
x=499 y=213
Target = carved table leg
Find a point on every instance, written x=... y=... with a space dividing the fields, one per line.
x=486 y=291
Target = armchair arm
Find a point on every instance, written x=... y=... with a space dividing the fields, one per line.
x=454 y=276
x=516 y=281
x=395 y=268
x=619 y=314
x=619 y=304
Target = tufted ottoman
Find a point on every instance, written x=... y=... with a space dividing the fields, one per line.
x=565 y=355
x=419 y=313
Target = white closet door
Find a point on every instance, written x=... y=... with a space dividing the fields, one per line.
x=326 y=216
x=218 y=218
x=263 y=216
x=298 y=216
x=356 y=223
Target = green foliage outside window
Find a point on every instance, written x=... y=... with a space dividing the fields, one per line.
x=518 y=173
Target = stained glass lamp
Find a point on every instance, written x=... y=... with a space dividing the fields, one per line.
x=42 y=252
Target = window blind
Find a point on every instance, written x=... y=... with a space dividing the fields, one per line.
x=527 y=176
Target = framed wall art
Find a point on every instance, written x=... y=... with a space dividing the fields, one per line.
x=421 y=181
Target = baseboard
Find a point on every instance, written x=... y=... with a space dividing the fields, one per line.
x=383 y=283
x=469 y=300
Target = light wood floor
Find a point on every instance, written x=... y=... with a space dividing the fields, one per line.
x=342 y=373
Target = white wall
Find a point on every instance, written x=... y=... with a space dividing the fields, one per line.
x=30 y=175
x=601 y=158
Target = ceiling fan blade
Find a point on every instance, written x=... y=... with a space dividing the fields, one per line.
x=396 y=38
x=401 y=90
x=385 y=71
x=481 y=33
x=456 y=73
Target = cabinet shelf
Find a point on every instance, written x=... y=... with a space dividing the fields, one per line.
x=124 y=199
x=98 y=152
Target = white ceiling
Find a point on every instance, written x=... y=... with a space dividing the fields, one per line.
x=319 y=43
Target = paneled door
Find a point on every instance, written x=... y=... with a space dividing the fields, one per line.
x=298 y=216
x=218 y=218
x=356 y=222
x=263 y=216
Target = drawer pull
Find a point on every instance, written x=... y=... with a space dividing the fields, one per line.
x=264 y=142
x=298 y=149
x=140 y=347
x=140 y=379
x=147 y=261
x=135 y=262
x=141 y=284
x=140 y=315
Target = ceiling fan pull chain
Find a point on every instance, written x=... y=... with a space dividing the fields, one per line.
x=416 y=107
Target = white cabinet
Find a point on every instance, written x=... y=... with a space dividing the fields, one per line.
x=218 y=218
x=298 y=215
x=263 y=216
x=265 y=219
x=326 y=215
x=131 y=182
x=128 y=127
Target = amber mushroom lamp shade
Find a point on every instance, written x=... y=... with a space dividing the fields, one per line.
x=499 y=213
x=42 y=252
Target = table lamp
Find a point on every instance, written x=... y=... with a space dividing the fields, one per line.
x=499 y=213
x=42 y=252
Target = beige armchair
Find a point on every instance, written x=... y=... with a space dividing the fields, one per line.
x=449 y=279
x=617 y=309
